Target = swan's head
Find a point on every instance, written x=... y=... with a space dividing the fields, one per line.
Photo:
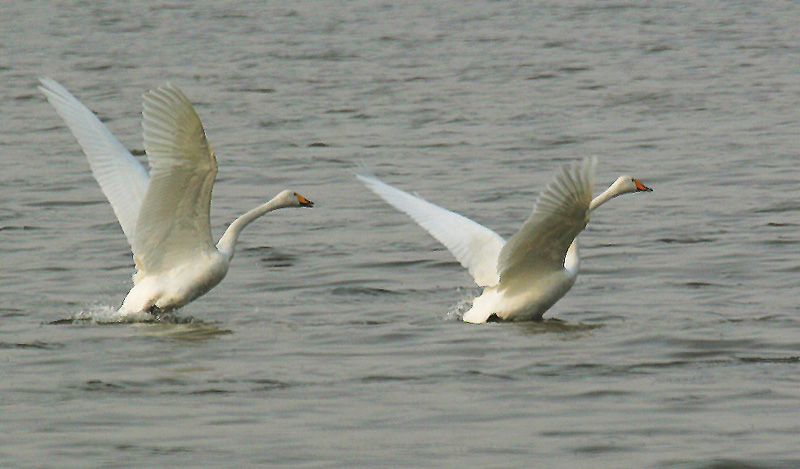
x=627 y=185
x=289 y=198
x=623 y=185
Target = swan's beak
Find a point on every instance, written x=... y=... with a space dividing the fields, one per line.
x=641 y=187
x=304 y=202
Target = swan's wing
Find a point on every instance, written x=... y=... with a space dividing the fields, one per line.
x=173 y=224
x=560 y=214
x=120 y=175
x=475 y=246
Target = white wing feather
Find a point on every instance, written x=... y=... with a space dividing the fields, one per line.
x=173 y=224
x=122 y=178
x=476 y=247
x=560 y=214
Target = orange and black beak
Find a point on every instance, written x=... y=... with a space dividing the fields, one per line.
x=303 y=201
x=641 y=187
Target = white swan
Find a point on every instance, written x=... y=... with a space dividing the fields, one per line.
x=165 y=215
x=525 y=276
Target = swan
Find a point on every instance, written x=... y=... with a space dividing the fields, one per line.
x=164 y=214
x=525 y=276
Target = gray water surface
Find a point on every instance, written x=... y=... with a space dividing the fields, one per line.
x=330 y=343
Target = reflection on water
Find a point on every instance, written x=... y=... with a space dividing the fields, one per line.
x=195 y=330
x=557 y=326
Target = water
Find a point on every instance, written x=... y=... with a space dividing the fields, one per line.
x=329 y=344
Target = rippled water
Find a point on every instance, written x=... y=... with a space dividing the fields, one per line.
x=329 y=343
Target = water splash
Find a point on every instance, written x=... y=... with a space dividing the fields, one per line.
x=105 y=314
x=164 y=325
x=456 y=313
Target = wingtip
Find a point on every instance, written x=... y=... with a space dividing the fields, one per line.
x=361 y=171
x=166 y=91
x=592 y=162
x=49 y=87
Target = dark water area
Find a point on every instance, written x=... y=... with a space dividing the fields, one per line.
x=332 y=343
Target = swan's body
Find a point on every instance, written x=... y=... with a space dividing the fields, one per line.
x=164 y=214
x=525 y=276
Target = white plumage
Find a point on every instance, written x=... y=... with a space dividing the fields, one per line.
x=525 y=276
x=164 y=215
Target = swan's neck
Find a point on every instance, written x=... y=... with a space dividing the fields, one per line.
x=572 y=262
x=227 y=243
x=607 y=195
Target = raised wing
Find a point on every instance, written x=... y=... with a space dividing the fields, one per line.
x=122 y=178
x=560 y=214
x=476 y=247
x=173 y=224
